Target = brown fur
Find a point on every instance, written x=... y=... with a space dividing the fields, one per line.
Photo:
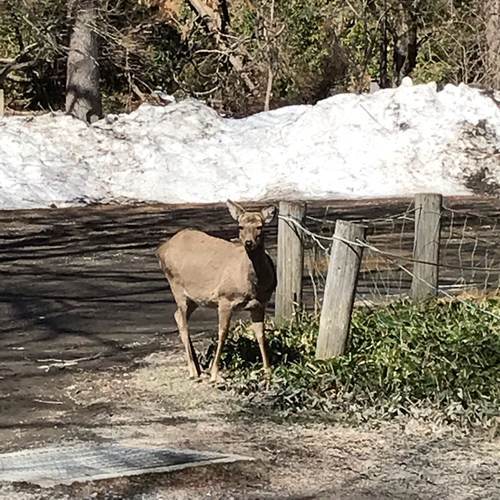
x=212 y=272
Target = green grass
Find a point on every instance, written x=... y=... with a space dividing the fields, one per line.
x=434 y=360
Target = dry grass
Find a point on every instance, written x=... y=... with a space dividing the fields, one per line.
x=156 y=403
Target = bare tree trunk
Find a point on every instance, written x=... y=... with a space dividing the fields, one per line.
x=270 y=63
x=405 y=42
x=492 y=19
x=215 y=24
x=383 y=69
x=83 y=97
x=225 y=17
x=412 y=42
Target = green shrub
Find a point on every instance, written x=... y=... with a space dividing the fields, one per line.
x=439 y=359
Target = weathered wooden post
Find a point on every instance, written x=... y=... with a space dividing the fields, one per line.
x=290 y=260
x=2 y=103
x=340 y=289
x=426 y=245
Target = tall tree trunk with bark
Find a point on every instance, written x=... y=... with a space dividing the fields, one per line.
x=83 y=96
x=492 y=19
x=405 y=39
x=216 y=25
x=384 y=81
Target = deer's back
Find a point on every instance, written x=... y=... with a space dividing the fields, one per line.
x=205 y=267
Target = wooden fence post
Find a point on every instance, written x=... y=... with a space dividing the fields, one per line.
x=290 y=260
x=426 y=245
x=340 y=289
x=2 y=103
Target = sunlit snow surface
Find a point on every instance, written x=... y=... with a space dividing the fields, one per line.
x=394 y=142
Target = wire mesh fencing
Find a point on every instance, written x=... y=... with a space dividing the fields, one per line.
x=469 y=256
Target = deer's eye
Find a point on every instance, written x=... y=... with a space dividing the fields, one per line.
x=240 y=228
x=259 y=229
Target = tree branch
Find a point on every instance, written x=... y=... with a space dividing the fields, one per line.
x=214 y=23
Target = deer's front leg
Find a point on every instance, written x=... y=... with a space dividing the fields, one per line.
x=225 y=312
x=257 y=315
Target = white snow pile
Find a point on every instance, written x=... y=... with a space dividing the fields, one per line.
x=394 y=142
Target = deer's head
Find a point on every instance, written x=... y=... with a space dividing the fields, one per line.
x=251 y=224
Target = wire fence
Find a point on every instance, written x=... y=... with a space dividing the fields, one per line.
x=471 y=251
x=469 y=258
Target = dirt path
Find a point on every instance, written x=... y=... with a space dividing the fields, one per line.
x=83 y=305
x=151 y=402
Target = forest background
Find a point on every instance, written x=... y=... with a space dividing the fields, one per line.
x=241 y=56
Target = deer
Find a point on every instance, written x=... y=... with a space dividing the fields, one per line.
x=229 y=276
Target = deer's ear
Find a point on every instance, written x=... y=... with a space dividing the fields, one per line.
x=268 y=214
x=235 y=210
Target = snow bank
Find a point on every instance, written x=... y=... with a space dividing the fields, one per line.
x=394 y=142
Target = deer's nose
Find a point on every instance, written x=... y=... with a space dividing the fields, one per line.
x=248 y=244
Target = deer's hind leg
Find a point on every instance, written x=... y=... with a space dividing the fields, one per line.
x=257 y=315
x=185 y=308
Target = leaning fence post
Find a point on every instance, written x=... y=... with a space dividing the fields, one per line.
x=340 y=289
x=290 y=260
x=426 y=245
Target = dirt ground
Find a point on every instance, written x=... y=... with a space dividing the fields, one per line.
x=149 y=400
x=88 y=351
